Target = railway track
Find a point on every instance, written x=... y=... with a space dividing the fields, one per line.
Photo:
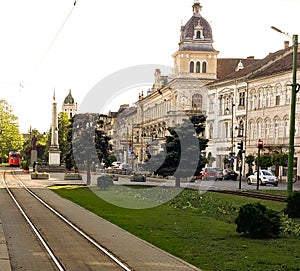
x=257 y=195
x=64 y=246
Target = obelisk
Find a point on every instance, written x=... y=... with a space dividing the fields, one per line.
x=54 y=152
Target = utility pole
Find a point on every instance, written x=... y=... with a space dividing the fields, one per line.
x=295 y=89
x=259 y=146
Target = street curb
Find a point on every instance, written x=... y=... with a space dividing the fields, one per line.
x=4 y=257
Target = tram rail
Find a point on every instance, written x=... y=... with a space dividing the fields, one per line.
x=58 y=260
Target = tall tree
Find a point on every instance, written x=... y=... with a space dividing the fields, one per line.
x=90 y=144
x=183 y=150
x=10 y=137
x=63 y=127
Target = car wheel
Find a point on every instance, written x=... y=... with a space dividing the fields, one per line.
x=275 y=184
x=249 y=181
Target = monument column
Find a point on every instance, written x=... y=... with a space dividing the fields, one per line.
x=54 y=152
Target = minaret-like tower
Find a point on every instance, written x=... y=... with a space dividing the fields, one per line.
x=69 y=105
x=54 y=152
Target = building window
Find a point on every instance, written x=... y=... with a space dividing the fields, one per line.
x=242 y=99
x=260 y=105
x=198 y=67
x=211 y=105
x=226 y=128
x=267 y=129
x=276 y=129
x=198 y=35
x=197 y=102
x=278 y=92
x=286 y=128
x=241 y=129
x=204 y=65
x=277 y=99
x=268 y=99
x=192 y=67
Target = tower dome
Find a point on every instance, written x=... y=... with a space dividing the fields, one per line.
x=196 y=34
x=69 y=98
x=69 y=105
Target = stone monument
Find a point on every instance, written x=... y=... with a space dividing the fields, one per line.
x=54 y=152
x=33 y=155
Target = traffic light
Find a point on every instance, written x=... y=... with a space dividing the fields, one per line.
x=240 y=145
x=260 y=144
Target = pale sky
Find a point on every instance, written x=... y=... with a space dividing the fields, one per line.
x=102 y=37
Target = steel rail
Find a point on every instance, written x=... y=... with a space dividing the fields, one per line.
x=35 y=230
x=83 y=234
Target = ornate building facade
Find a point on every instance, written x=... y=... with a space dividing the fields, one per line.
x=243 y=99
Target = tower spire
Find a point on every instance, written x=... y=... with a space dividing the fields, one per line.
x=197 y=8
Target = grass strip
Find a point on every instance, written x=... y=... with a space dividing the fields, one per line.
x=204 y=236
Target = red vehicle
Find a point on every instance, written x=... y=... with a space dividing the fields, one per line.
x=14 y=159
x=212 y=173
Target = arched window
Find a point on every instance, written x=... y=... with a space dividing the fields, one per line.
x=286 y=127
x=198 y=67
x=197 y=102
x=204 y=67
x=276 y=128
x=192 y=67
x=267 y=128
x=198 y=35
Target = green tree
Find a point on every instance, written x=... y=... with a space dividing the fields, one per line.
x=184 y=149
x=265 y=161
x=89 y=142
x=41 y=143
x=249 y=159
x=63 y=128
x=279 y=159
x=10 y=137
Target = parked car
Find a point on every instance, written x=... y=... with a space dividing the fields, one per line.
x=116 y=164
x=125 y=168
x=196 y=177
x=265 y=177
x=229 y=174
x=212 y=173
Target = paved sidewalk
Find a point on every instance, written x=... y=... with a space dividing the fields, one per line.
x=4 y=258
x=135 y=252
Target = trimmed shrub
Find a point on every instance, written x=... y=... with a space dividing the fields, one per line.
x=104 y=182
x=256 y=221
x=293 y=205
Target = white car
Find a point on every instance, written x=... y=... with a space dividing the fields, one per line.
x=265 y=177
x=116 y=164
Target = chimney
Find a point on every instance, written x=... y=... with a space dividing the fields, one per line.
x=250 y=57
x=286 y=44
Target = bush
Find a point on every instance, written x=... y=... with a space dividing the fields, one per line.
x=293 y=205
x=256 y=221
x=104 y=182
x=24 y=165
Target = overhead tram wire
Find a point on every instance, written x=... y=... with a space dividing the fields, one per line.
x=57 y=33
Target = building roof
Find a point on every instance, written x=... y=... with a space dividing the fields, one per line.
x=188 y=42
x=69 y=98
x=273 y=63
x=228 y=66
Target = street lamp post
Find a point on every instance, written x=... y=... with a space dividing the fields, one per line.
x=295 y=88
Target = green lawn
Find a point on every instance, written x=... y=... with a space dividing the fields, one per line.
x=199 y=228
